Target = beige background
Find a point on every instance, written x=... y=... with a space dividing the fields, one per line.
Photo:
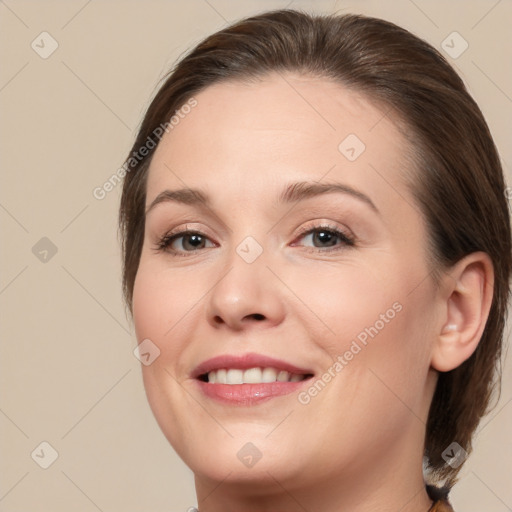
x=68 y=374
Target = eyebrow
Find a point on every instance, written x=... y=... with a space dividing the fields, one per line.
x=293 y=192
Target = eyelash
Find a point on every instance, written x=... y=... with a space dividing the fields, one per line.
x=348 y=241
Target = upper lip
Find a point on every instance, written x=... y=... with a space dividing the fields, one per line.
x=246 y=361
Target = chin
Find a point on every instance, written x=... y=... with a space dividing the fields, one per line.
x=247 y=459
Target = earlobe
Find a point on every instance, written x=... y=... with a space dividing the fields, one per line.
x=468 y=291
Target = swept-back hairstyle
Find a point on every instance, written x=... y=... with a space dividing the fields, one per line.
x=458 y=181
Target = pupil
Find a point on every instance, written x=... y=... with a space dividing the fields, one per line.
x=194 y=240
x=325 y=238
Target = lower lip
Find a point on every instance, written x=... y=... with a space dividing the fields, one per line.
x=249 y=394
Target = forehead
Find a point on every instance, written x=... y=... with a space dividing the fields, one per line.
x=245 y=138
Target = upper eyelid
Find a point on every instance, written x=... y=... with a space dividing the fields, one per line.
x=181 y=231
x=315 y=225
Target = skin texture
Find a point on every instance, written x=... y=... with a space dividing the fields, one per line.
x=358 y=444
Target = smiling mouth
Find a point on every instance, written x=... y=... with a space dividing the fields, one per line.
x=256 y=375
x=248 y=379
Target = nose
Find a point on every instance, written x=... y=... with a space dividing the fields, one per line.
x=247 y=296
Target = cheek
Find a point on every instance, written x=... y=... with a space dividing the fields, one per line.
x=159 y=312
x=344 y=300
x=373 y=317
x=168 y=309
x=162 y=299
x=147 y=314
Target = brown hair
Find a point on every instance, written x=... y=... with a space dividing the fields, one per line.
x=458 y=183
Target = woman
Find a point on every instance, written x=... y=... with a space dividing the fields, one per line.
x=311 y=266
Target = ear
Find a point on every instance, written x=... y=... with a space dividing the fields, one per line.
x=467 y=291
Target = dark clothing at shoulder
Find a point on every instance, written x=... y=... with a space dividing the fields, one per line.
x=439 y=495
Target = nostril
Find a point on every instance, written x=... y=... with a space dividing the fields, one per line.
x=255 y=316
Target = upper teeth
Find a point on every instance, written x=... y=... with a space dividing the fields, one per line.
x=252 y=376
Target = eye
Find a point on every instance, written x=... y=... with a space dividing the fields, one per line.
x=326 y=237
x=183 y=241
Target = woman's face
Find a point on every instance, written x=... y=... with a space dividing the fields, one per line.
x=312 y=308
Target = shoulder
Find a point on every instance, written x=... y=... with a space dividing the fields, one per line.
x=441 y=506
x=439 y=495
